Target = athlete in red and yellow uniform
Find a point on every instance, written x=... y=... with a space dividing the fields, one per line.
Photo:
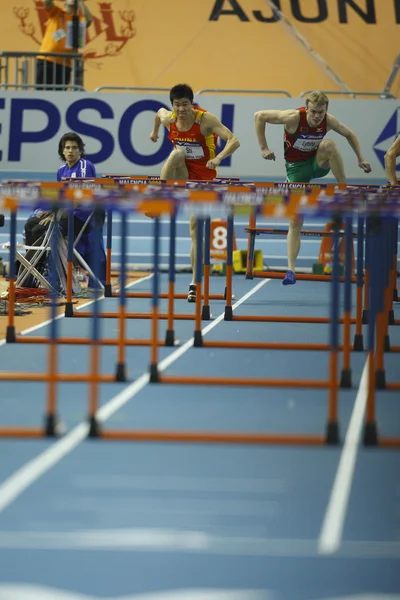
x=307 y=154
x=198 y=148
x=194 y=133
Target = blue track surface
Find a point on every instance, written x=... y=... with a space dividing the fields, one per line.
x=84 y=519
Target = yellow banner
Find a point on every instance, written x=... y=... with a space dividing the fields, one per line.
x=226 y=44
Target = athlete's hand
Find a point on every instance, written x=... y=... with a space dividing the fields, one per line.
x=213 y=163
x=268 y=154
x=154 y=136
x=366 y=167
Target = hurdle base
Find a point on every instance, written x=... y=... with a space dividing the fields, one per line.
x=332 y=433
x=345 y=379
x=197 y=339
x=228 y=315
x=120 y=372
x=370 y=434
x=69 y=310
x=107 y=290
x=365 y=316
x=50 y=426
x=380 y=379
x=358 y=345
x=391 y=317
x=154 y=374
x=386 y=343
x=10 y=334
x=170 y=337
x=205 y=313
x=94 y=430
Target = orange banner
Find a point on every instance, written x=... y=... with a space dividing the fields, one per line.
x=225 y=44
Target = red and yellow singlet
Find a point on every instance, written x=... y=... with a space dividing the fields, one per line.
x=199 y=149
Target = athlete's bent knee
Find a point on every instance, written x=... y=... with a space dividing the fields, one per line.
x=328 y=147
x=177 y=157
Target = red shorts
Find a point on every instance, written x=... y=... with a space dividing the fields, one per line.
x=201 y=172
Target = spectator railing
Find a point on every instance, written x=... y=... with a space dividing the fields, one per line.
x=379 y=95
x=238 y=91
x=18 y=70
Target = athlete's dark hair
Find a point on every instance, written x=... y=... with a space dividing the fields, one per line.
x=181 y=91
x=70 y=137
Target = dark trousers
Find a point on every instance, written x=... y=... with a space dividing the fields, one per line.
x=34 y=231
x=49 y=73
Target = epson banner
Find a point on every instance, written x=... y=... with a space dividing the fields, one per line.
x=116 y=129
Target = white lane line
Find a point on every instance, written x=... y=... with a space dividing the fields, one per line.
x=332 y=527
x=26 y=475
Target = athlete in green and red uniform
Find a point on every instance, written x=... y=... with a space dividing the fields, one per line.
x=307 y=154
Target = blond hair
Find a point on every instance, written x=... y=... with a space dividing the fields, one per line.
x=317 y=98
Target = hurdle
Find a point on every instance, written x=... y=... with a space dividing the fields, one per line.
x=331 y=383
x=51 y=377
x=140 y=184
x=120 y=341
x=383 y=229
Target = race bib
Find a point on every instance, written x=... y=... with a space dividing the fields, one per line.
x=193 y=150
x=307 y=143
x=59 y=34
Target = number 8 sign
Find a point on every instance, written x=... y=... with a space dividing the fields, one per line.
x=218 y=240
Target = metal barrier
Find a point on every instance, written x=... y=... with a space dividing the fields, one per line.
x=393 y=74
x=123 y=88
x=381 y=95
x=235 y=91
x=41 y=71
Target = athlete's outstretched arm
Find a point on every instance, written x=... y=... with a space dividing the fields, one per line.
x=341 y=129
x=289 y=118
x=211 y=122
x=390 y=161
x=163 y=117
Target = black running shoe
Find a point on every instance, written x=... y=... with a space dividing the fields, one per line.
x=192 y=293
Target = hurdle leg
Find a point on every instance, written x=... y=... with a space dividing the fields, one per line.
x=95 y=346
x=10 y=331
x=154 y=373
x=345 y=380
x=107 y=287
x=251 y=238
x=198 y=340
x=358 y=344
x=170 y=333
x=69 y=309
x=206 y=315
x=50 y=427
x=395 y=252
x=228 y=315
x=366 y=274
x=370 y=437
x=332 y=428
x=120 y=374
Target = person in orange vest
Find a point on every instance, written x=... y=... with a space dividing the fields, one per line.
x=193 y=132
x=56 y=71
x=307 y=154
x=390 y=161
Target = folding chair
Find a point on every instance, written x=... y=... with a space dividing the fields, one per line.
x=34 y=263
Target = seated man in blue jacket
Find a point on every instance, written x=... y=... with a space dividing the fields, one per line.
x=71 y=149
